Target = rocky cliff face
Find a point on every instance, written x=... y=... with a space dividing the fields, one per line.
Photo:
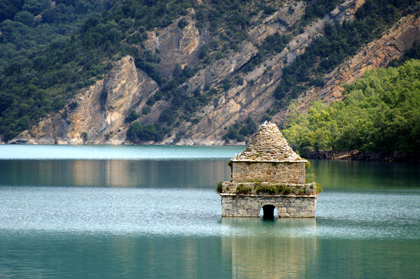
x=176 y=46
x=97 y=114
x=255 y=97
x=254 y=100
x=282 y=21
x=374 y=55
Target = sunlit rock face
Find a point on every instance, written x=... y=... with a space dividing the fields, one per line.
x=96 y=115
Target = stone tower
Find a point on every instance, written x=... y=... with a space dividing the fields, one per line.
x=268 y=174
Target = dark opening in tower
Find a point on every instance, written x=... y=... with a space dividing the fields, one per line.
x=268 y=211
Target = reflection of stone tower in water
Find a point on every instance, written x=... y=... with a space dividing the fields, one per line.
x=268 y=174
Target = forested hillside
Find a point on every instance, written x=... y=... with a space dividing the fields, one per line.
x=41 y=62
x=380 y=113
x=175 y=71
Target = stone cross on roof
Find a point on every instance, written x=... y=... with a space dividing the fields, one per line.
x=268 y=144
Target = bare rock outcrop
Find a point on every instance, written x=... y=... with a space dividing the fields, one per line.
x=376 y=54
x=175 y=45
x=217 y=72
x=280 y=21
x=24 y=138
x=255 y=97
x=96 y=116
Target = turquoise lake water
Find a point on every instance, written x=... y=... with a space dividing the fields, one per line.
x=152 y=212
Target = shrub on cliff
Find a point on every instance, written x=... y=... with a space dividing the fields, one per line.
x=132 y=116
x=148 y=132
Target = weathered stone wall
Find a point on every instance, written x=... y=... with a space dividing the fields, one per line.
x=268 y=173
x=275 y=172
x=250 y=206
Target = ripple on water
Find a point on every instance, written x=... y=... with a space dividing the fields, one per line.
x=171 y=212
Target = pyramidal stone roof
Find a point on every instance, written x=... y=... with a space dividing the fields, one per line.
x=268 y=144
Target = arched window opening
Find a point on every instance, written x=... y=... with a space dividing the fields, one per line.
x=269 y=212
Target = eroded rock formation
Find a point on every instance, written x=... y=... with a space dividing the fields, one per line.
x=374 y=55
x=93 y=116
x=97 y=114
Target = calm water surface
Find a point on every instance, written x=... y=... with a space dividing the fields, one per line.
x=86 y=212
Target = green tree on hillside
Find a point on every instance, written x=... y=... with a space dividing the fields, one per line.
x=380 y=113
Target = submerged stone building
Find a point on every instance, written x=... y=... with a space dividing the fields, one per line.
x=268 y=174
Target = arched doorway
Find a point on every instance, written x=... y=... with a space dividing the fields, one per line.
x=269 y=211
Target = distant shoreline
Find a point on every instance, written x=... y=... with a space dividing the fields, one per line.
x=356 y=155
